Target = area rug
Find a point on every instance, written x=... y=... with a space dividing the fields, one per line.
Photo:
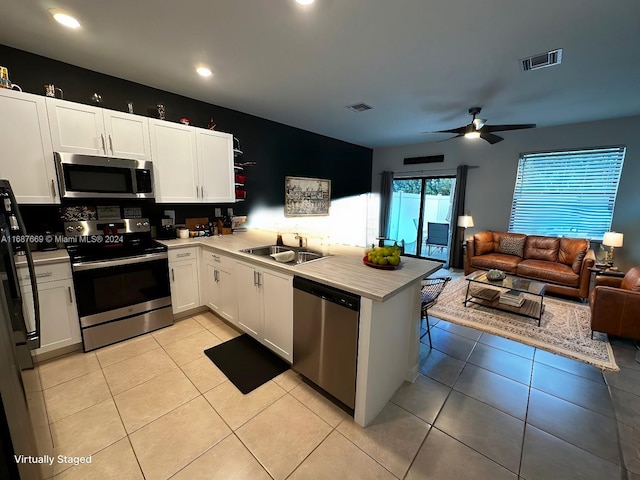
x=565 y=327
x=246 y=363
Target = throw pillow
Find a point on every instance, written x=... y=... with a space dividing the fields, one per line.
x=511 y=246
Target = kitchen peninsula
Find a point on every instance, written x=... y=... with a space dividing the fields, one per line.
x=389 y=326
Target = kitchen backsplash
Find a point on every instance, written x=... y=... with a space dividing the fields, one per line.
x=38 y=218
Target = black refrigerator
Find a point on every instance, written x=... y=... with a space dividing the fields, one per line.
x=19 y=450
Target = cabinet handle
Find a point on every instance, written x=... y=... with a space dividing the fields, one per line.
x=216 y=257
x=173 y=276
x=53 y=188
x=104 y=145
x=255 y=282
x=259 y=278
x=70 y=296
x=111 y=145
x=216 y=275
x=44 y=274
x=202 y=192
x=187 y=254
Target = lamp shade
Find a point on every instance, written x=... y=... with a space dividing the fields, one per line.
x=465 y=221
x=611 y=239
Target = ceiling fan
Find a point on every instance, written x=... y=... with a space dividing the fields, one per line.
x=478 y=128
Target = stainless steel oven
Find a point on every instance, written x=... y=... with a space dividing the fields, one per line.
x=121 y=281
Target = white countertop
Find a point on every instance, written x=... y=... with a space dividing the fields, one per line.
x=343 y=269
x=44 y=258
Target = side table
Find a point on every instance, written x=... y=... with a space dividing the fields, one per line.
x=606 y=271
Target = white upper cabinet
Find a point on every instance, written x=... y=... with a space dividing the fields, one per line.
x=127 y=135
x=215 y=163
x=173 y=150
x=27 y=154
x=191 y=165
x=84 y=129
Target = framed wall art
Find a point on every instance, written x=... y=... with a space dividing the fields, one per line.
x=306 y=196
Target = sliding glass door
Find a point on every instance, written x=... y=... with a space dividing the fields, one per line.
x=421 y=215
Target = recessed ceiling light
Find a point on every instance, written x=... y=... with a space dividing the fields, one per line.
x=305 y=2
x=203 y=71
x=65 y=19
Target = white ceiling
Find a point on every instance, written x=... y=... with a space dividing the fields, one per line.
x=421 y=64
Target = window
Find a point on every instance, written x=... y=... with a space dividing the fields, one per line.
x=569 y=193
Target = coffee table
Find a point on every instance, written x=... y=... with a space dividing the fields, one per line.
x=482 y=291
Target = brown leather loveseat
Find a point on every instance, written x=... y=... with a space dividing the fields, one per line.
x=615 y=305
x=562 y=263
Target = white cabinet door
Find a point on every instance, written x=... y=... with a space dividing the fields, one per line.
x=219 y=285
x=59 y=322
x=228 y=299
x=184 y=286
x=265 y=307
x=215 y=164
x=76 y=128
x=27 y=154
x=209 y=289
x=173 y=150
x=250 y=311
x=127 y=135
x=278 y=313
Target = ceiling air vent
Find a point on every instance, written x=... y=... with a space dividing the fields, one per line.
x=554 y=57
x=359 y=107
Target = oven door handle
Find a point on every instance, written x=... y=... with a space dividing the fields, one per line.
x=81 y=266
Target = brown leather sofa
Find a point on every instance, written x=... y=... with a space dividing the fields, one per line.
x=615 y=305
x=562 y=263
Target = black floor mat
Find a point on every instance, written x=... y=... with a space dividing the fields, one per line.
x=246 y=363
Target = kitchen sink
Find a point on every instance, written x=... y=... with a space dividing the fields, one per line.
x=302 y=254
x=268 y=250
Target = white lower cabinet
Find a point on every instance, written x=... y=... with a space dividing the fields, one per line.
x=218 y=284
x=59 y=324
x=265 y=307
x=183 y=275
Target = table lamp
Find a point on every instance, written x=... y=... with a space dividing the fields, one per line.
x=465 y=221
x=612 y=240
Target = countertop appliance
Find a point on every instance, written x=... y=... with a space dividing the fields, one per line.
x=89 y=176
x=17 y=436
x=325 y=337
x=121 y=279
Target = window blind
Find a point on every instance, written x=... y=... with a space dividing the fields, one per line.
x=570 y=193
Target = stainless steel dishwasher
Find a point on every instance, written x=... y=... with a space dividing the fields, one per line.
x=325 y=337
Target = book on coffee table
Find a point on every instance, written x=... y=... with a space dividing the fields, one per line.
x=512 y=297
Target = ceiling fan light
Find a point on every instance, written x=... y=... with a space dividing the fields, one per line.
x=474 y=134
x=479 y=122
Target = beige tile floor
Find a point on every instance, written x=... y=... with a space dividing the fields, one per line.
x=155 y=407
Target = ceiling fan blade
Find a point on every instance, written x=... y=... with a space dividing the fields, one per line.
x=490 y=137
x=504 y=128
x=459 y=131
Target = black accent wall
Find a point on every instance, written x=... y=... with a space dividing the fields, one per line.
x=278 y=150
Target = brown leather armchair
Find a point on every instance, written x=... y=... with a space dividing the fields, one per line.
x=615 y=305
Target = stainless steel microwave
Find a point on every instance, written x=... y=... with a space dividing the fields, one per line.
x=88 y=176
